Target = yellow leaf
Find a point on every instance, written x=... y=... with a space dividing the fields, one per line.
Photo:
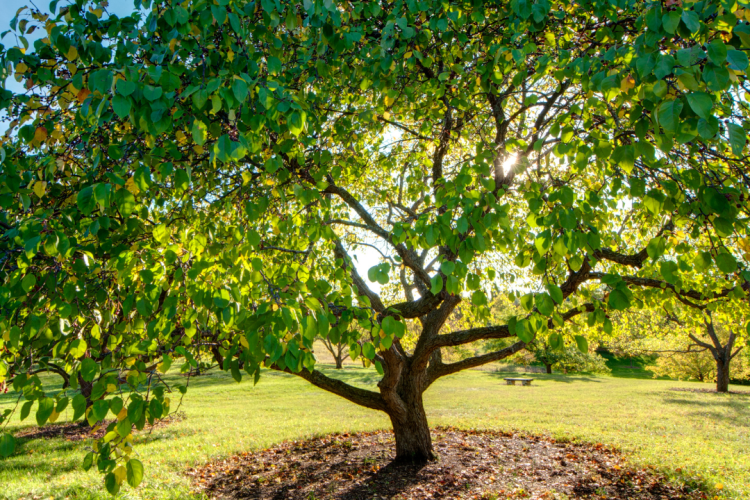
x=408 y=55
x=389 y=100
x=719 y=486
x=21 y=68
x=53 y=418
x=230 y=55
x=39 y=188
x=72 y=54
x=120 y=474
x=130 y=186
x=6 y=336
x=83 y=94
x=386 y=115
x=111 y=388
x=172 y=45
x=627 y=83
x=123 y=413
x=40 y=134
x=244 y=342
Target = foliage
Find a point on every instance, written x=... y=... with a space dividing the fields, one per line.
x=680 y=358
x=569 y=359
x=188 y=182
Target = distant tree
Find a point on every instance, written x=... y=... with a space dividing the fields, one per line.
x=339 y=350
x=567 y=359
x=689 y=344
x=190 y=180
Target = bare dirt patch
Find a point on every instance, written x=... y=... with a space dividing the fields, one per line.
x=78 y=431
x=471 y=464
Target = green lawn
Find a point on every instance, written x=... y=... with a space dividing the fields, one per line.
x=694 y=436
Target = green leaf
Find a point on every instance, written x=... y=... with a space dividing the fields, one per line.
x=669 y=271
x=708 y=128
x=478 y=298
x=555 y=292
x=691 y=20
x=582 y=343
x=670 y=21
x=44 y=410
x=125 y=202
x=152 y=93
x=618 y=300
x=134 y=472
x=239 y=89
x=125 y=88
x=701 y=104
x=669 y=115
x=544 y=304
x=717 y=52
x=726 y=262
x=79 y=406
x=437 y=284
x=447 y=267
x=7 y=445
x=28 y=283
x=89 y=369
x=121 y=105
x=200 y=132
x=161 y=233
x=102 y=194
x=737 y=138
x=274 y=65
x=296 y=123
x=556 y=341
x=85 y=200
x=737 y=60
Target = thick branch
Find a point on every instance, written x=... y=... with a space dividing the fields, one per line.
x=441 y=370
x=362 y=397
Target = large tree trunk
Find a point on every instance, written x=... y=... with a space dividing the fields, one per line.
x=413 y=440
x=722 y=374
x=549 y=368
x=339 y=362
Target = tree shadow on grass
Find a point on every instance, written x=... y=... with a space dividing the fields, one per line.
x=708 y=409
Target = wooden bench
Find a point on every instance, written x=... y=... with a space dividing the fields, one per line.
x=524 y=381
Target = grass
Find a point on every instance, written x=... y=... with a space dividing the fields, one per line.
x=692 y=436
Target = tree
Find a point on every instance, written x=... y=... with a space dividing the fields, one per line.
x=690 y=345
x=189 y=180
x=569 y=359
x=722 y=353
x=337 y=349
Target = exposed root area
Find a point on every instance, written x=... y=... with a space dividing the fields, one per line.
x=471 y=465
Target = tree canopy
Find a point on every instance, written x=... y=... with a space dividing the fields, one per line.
x=194 y=180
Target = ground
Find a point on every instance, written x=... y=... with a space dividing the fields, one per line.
x=472 y=464
x=692 y=437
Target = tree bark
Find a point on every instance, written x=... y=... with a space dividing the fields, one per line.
x=722 y=374
x=339 y=362
x=86 y=388
x=549 y=368
x=412 y=433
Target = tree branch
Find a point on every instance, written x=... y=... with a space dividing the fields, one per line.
x=362 y=397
